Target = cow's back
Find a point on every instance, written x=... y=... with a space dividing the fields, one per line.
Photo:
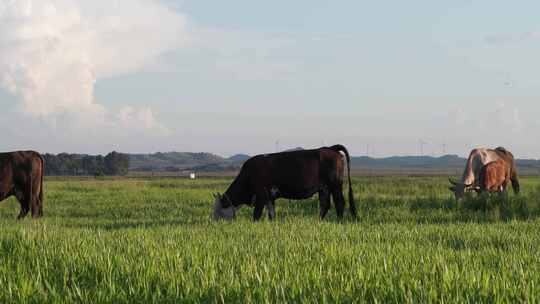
x=284 y=165
x=507 y=156
x=294 y=173
x=25 y=162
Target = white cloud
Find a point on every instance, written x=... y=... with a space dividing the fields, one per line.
x=141 y=119
x=52 y=52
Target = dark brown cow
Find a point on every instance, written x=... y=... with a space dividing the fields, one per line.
x=495 y=176
x=292 y=175
x=21 y=175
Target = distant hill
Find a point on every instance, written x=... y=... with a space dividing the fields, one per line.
x=238 y=158
x=172 y=161
x=444 y=162
x=208 y=162
x=428 y=164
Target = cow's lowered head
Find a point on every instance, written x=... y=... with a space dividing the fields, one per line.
x=459 y=189
x=221 y=212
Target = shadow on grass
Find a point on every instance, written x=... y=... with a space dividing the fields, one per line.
x=383 y=209
x=372 y=210
x=481 y=208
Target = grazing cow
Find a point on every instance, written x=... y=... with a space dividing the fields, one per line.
x=292 y=175
x=478 y=158
x=21 y=175
x=494 y=176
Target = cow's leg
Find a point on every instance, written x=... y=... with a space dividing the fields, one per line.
x=35 y=208
x=514 y=180
x=5 y=190
x=339 y=201
x=271 y=207
x=261 y=200
x=505 y=184
x=25 y=203
x=257 y=212
x=503 y=190
x=270 y=204
x=324 y=202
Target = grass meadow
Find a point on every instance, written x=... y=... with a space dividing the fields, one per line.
x=152 y=240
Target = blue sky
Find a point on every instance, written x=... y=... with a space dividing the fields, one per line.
x=237 y=76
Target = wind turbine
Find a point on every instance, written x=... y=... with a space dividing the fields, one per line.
x=444 y=148
x=422 y=144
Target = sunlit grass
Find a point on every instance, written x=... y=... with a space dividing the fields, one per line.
x=126 y=241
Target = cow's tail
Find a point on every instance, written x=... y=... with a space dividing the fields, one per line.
x=509 y=157
x=514 y=179
x=352 y=204
x=41 y=185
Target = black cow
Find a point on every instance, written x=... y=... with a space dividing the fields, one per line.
x=292 y=175
x=21 y=174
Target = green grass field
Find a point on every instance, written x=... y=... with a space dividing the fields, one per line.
x=140 y=241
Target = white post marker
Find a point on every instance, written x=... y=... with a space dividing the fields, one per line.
x=192 y=175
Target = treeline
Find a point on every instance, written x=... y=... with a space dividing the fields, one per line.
x=64 y=164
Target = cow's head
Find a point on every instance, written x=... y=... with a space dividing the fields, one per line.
x=459 y=189
x=223 y=208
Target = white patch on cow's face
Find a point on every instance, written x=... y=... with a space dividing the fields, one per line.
x=223 y=213
x=228 y=213
x=274 y=191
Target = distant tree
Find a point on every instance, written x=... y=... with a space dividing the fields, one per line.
x=65 y=164
x=52 y=164
x=116 y=163
x=100 y=166
x=64 y=161
x=90 y=165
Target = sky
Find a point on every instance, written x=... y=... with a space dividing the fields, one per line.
x=241 y=76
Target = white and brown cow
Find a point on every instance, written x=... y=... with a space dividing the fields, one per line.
x=478 y=158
